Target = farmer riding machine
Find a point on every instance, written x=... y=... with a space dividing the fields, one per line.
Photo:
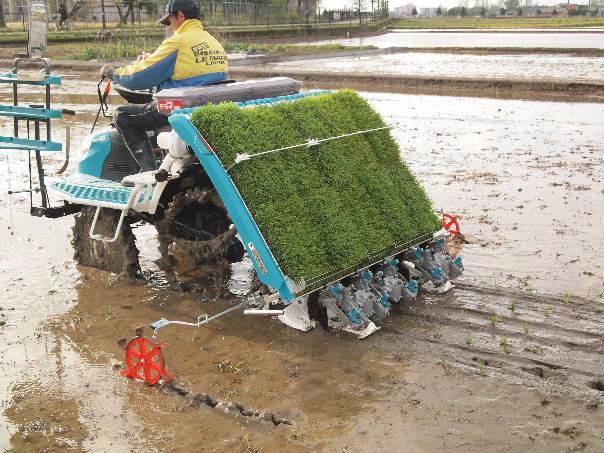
x=309 y=186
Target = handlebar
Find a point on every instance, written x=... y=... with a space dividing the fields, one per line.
x=103 y=96
x=102 y=100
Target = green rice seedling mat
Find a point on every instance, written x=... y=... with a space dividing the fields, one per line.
x=327 y=209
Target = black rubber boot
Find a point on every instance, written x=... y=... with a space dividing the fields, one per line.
x=143 y=155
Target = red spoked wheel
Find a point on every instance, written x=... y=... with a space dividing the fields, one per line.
x=451 y=224
x=145 y=361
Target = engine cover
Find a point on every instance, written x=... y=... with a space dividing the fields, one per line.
x=104 y=155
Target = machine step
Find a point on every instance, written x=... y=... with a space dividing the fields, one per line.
x=91 y=191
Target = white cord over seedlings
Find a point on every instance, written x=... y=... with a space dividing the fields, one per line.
x=308 y=144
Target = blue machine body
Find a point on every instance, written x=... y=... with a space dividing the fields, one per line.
x=92 y=162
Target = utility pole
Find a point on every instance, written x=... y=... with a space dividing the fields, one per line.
x=103 y=14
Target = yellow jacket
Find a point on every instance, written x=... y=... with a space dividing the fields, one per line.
x=190 y=57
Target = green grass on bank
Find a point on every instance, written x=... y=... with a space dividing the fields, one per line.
x=507 y=22
x=8 y=36
x=127 y=48
x=122 y=49
x=328 y=207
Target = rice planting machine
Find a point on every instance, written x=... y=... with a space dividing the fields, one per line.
x=193 y=202
x=205 y=218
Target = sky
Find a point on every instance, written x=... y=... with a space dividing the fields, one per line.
x=339 y=4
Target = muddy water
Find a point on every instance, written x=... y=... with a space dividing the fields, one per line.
x=443 y=39
x=517 y=67
x=525 y=176
x=435 y=377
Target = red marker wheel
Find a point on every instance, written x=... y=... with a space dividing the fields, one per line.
x=451 y=224
x=145 y=361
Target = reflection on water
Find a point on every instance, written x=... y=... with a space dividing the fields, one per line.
x=518 y=67
x=486 y=39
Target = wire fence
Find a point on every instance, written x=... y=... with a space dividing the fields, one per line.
x=145 y=15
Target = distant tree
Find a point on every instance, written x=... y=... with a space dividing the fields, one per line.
x=2 y=19
x=463 y=11
x=502 y=11
x=519 y=11
x=439 y=11
x=555 y=12
x=64 y=12
x=359 y=7
x=511 y=5
x=538 y=11
x=483 y=11
x=414 y=12
x=382 y=7
x=129 y=4
x=149 y=8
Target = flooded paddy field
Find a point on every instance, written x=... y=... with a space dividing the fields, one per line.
x=507 y=73
x=501 y=30
x=516 y=67
x=509 y=360
x=542 y=39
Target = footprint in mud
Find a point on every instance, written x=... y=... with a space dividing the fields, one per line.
x=597 y=384
x=535 y=370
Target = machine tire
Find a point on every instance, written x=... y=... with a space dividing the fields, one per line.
x=120 y=257
x=193 y=262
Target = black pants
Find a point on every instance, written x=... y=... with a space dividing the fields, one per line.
x=133 y=121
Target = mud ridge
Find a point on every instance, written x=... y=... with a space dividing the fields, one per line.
x=442 y=86
x=547 y=377
x=512 y=334
x=199 y=399
x=473 y=329
x=486 y=289
x=516 y=320
x=536 y=90
x=516 y=359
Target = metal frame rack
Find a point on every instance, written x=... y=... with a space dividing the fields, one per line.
x=36 y=114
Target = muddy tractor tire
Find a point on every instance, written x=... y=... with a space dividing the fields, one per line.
x=120 y=256
x=197 y=242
